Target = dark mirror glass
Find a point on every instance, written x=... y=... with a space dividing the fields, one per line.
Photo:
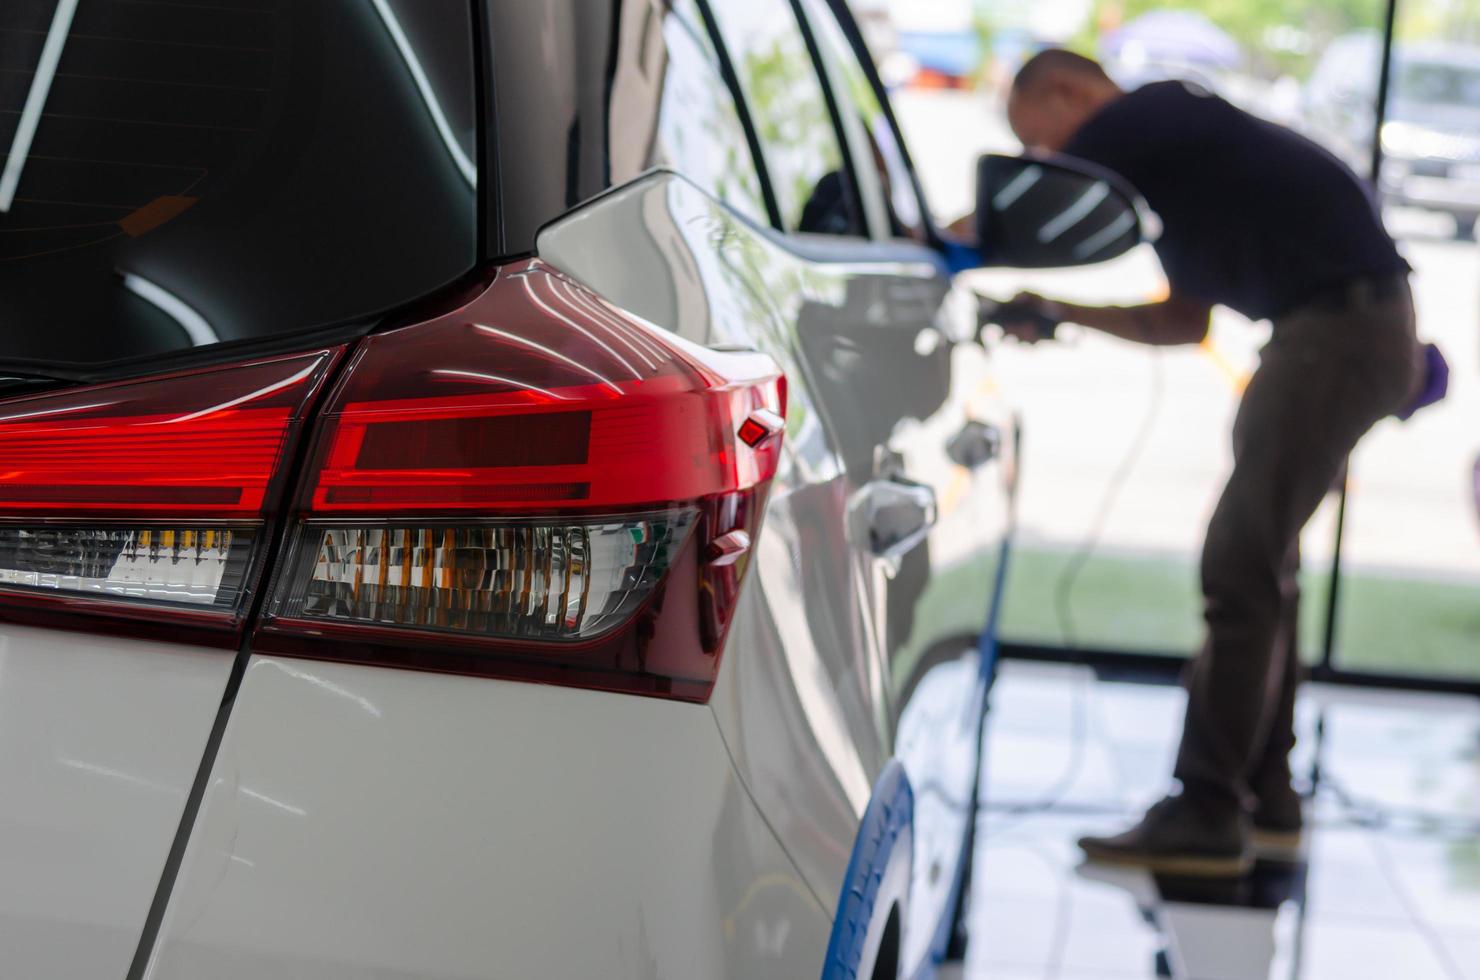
x=1040 y=212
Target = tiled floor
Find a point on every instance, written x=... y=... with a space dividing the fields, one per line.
x=1390 y=886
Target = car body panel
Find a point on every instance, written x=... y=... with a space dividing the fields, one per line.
x=840 y=659
x=100 y=741
x=377 y=823
x=799 y=684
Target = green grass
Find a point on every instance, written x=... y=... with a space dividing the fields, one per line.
x=953 y=605
x=1118 y=602
x=1151 y=603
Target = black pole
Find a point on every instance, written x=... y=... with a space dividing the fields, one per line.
x=1379 y=116
x=1323 y=669
x=1384 y=78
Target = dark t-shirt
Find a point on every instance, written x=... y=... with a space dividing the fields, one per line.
x=1254 y=216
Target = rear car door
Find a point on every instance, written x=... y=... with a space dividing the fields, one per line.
x=957 y=435
x=885 y=341
x=176 y=214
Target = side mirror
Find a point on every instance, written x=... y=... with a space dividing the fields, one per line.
x=1037 y=212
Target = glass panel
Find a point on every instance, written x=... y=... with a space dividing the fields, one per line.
x=197 y=566
x=1124 y=448
x=781 y=88
x=698 y=128
x=1410 y=595
x=592 y=93
x=882 y=171
x=550 y=581
x=178 y=174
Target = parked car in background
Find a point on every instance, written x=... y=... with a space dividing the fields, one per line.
x=1431 y=129
x=486 y=490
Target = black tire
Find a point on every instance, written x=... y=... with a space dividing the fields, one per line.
x=886 y=967
x=956 y=946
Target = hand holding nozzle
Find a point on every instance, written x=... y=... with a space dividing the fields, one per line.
x=1027 y=317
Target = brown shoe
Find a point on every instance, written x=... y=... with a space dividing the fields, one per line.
x=1180 y=836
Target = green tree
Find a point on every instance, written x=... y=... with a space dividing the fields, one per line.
x=1447 y=20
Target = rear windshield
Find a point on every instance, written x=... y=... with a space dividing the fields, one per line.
x=178 y=173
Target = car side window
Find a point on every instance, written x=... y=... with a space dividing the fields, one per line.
x=670 y=106
x=885 y=182
x=788 y=108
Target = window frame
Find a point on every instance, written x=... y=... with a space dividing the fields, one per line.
x=856 y=208
x=730 y=83
x=757 y=150
x=747 y=121
x=855 y=38
x=876 y=207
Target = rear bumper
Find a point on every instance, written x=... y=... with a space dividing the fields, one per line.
x=100 y=741
x=364 y=822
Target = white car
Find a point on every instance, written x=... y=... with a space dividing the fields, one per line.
x=1431 y=153
x=486 y=490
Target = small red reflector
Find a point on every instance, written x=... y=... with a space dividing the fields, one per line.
x=760 y=426
x=727 y=549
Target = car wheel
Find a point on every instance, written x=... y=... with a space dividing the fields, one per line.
x=886 y=966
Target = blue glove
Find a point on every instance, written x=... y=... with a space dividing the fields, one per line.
x=960 y=257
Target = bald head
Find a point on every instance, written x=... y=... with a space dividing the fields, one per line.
x=1054 y=93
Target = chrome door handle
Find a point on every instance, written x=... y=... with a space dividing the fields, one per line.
x=889 y=517
x=977 y=444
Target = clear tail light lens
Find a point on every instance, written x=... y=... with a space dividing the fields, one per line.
x=556 y=581
x=146 y=501
x=536 y=485
x=193 y=567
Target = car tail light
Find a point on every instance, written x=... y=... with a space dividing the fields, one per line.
x=146 y=500
x=537 y=485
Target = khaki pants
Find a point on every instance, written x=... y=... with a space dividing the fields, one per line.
x=1327 y=376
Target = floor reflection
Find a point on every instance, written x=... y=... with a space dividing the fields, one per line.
x=1389 y=885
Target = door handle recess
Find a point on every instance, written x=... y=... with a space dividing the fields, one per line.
x=889 y=517
x=977 y=444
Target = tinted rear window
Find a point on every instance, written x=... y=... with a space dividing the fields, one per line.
x=217 y=170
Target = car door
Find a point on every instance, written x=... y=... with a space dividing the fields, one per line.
x=884 y=340
x=954 y=434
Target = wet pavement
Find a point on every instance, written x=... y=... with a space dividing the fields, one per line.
x=1390 y=881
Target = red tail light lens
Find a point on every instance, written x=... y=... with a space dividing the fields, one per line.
x=537 y=485
x=146 y=499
